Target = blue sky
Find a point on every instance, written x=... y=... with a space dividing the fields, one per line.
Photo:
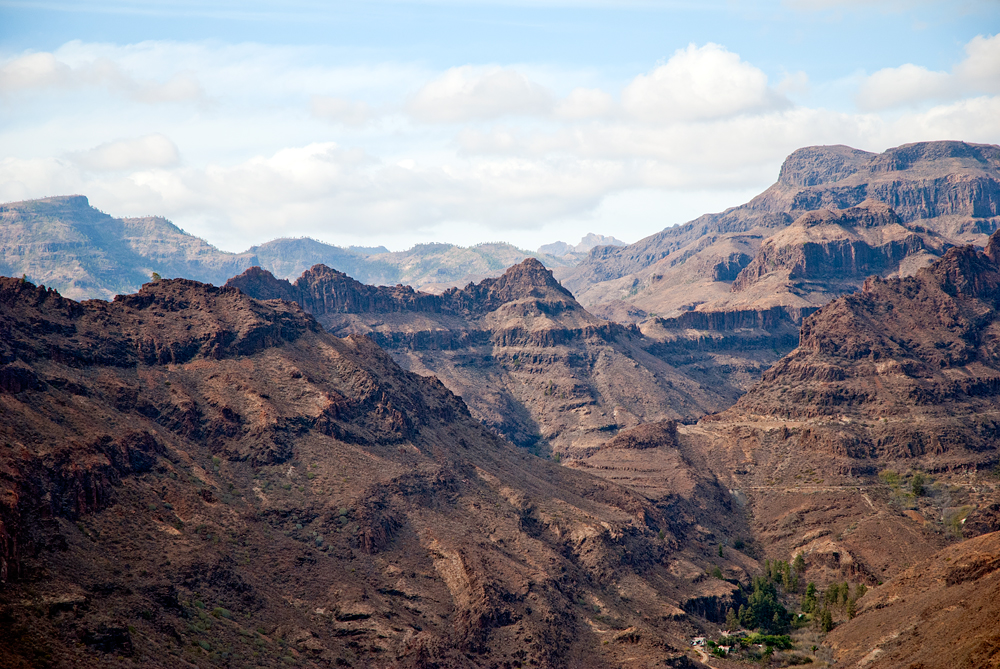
x=465 y=121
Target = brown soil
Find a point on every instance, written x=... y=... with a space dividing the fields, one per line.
x=940 y=613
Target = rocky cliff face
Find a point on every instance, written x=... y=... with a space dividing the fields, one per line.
x=825 y=254
x=65 y=243
x=946 y=190
x=922 y=343
x=880 y=430
x=193 y=476
x=530 y=361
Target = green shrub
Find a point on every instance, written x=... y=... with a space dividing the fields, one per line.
x=889 y=478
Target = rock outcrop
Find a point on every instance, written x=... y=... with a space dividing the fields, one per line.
x=838 y=247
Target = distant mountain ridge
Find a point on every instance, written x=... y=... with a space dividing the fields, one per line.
x=84 y=253
x=947 y=190
x=589 y=242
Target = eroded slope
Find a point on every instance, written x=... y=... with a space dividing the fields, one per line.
x=192 y=476
x=529 y=361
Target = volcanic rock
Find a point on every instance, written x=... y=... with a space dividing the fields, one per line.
x=937 y=614
x=950 y=190
x=529 y=361
x=193 y=476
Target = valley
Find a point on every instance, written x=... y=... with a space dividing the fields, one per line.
x=779 y=421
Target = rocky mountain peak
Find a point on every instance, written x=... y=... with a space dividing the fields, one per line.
x=529 y=279
x=816 y=165
x=263 y=285
x=968 y=272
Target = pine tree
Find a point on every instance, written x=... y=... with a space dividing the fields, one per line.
x=732 y=621
x=827 y=621
x=787 y=582
x=809 y=599
x=799 y=563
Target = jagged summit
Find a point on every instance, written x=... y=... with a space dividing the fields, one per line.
x=323 y=290
x=529 y=279
x=528 y=359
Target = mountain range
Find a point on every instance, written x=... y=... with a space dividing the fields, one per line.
x=789 y=426
x=835 y=216
x=84 y=253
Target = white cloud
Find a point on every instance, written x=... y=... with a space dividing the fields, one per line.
x=793 y=82
x=700 y=83
x=980 y=71
x=33 y=70
x=129 y=154
x=584 y=103
x=911 y=84
x=902 y=85
x=293 y=145
x=339 y=110
x=46 y=71
x=468 y=93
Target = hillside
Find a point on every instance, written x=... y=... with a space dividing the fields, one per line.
x=939 y=614
x=874 y=442
x=192 y=477
x=530 y=362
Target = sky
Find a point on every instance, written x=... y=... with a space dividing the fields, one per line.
x=466 y=121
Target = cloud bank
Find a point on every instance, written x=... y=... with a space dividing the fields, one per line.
x=243 y=143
